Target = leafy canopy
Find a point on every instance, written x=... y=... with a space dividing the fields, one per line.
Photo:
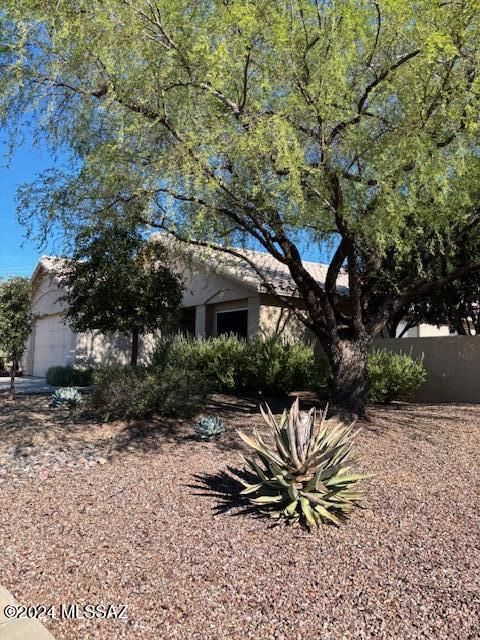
x=116 y=282
x=15 y=317
x=253 y=117
x=457 y=303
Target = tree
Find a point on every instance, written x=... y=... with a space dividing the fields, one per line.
x=15 y=322
x=457 y=303
x=115 y=281
x=277 y=122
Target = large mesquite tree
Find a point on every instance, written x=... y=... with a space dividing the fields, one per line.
x=275 y=120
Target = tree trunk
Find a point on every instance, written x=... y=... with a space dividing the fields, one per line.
x=134 y=358
x=459 y=327
x=348 y=359
x=12 y=379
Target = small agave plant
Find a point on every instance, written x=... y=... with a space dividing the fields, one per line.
x=67 y=397
x=209 y=427
x=306 y=477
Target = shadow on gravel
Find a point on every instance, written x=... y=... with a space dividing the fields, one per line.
x=225 y=487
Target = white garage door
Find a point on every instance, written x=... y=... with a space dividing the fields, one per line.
x=54 y=343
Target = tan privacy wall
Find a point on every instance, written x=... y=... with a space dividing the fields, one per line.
x=452 y=364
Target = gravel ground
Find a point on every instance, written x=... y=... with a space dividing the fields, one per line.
x=155 y=528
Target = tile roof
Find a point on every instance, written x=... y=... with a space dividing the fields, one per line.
x=237 y=268
x=276 y=272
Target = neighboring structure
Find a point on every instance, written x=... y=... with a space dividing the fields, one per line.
x=424 y=331
x=223 y=294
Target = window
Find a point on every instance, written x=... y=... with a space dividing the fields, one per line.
x=187 y=321
x=235 y=322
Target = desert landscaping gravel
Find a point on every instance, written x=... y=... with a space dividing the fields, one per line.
x=155 y=526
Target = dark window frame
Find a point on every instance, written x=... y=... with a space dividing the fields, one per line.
x=227 y=312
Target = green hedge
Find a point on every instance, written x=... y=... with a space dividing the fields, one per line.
x=182 y=372
x=393 y=376
x=126 y=392
x=272 y=367
x=69 y=377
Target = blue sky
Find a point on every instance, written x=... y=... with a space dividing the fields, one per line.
x=18 y=256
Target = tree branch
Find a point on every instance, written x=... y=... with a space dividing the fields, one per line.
x=368 y=90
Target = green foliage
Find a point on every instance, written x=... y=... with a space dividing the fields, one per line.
x=209 y=427
x=217 y=358
x=15 y=317
x=122 y=392
x=271 y=120
x=272 y=366
x=305 y=476
x=457 y=303
x=116 y=281
x=392 y=376
x=262 y=104
x=68 y=376
x=277 y=367
x=66 y=397
x=126 y=392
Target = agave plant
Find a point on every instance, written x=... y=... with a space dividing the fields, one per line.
x=306 y=477
x=66 y=397
x=209 y=427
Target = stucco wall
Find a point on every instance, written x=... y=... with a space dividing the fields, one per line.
x=277 y=319
x=95 y=348
x=452 y=363
x=47 y=307
x=204 y=286
x=46 y=296
x=432 y=331
x=88 y=348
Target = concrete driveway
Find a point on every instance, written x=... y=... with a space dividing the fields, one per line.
x=26 y=385
x=13 y=628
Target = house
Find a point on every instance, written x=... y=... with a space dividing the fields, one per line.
x=223 y=294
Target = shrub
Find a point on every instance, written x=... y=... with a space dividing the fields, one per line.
x=69 y=377
x=209 y=427
x=217 y=358
x=272 y=366
x=126 y=392
x=393 y=376
x=276 y=367
x=119 y=392
x=67 y=397
x=305 y=477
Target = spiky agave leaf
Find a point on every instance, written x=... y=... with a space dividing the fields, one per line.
x=306 y=476
x=66 y=396
x=209 y=427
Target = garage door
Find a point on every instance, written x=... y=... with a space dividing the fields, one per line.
x=54 y=343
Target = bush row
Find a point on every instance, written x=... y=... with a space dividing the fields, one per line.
x=183 y=371
x=69 y=377
x=271 y=367
x=125 y=392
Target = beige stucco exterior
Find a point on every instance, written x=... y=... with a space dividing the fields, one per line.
x=207 y=293
x=424 y=330
x=52 y=342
